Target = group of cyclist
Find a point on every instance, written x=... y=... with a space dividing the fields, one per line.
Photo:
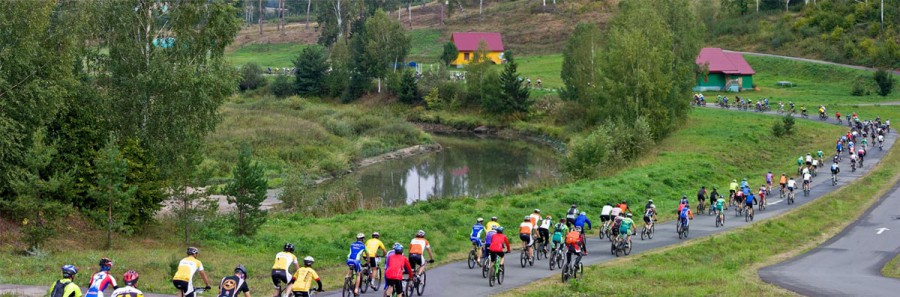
x=746 y=103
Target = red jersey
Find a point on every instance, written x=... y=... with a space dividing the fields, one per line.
x=498 y=241
x=396 y=264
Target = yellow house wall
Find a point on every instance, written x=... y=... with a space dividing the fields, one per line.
x=494 y=56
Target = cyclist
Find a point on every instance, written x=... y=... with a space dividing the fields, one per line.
x=283 y=261
x=840 y=147
x=66 y=286
x=625 y=228
x=487 y=240
x=835 y=169
x=803 y=110
x=614 y=212
x=720 y=205
x=525 y=230
x=762 y=194
x=559 y=230
x=881 y=140
x=701 y=195
x=393 y=271
x=864 y=144
x=102 y=279
x=808 y=159
x=791 y=185
x=650 y=206
x=372 y=247
x=744 y=183
x=574 y=242
x=732 y=188
x=571 y=215
x=475 y=238
x=852 y=159
x=417 y=246
x=807 y=180
x=738 y=198
x=497 y=245
x=683 y=201
x=623 y=206
x=544 y=230
x=769 y=179
x=714 y=196
x=184 y=277
x=783 y=180
x=303 y=278
x=837 y=115
x=130 y=290
x=231 y=285
x=357 y=253
x=685 y=215
x=605 y=213
x=815 y=165
x=861 y=154
x=748 y=204
x=492 y=224
x=581 y=220
x=535 y=218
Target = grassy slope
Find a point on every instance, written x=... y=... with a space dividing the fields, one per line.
x=726 y=264
x=892 y=268
x=313 y=137
x=266 y=55
x=713 y=147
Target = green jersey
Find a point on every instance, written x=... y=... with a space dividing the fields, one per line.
x=625 y=225
x=720 y=204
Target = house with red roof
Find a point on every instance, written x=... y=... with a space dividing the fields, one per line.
x=723 y=71
x=467 y=43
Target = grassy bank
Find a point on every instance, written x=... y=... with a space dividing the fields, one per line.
x=313 y=137
x=713 y=147
x=726 y=264
x=266 y=55
x=892 y=268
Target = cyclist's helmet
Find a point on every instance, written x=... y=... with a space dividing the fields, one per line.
x=628 y=215
x=528 y=218
x=493 y=218
x=240 y=268
x=105 y=264
x=561 y=220
x=494 y=227
x=480 y=220
x=308 y=261
x=420 y=233
x=398 y=248
x=574 y=206
x=192 y=251
x=500 y=229
x=734 y=180
x=582 y=213
x=130 y=278
x=651 y=200
x=549 y=217
x=683 y=196
x=537 y=210
x=360 y=236
x=289 y=247
x=376 y=235
x=69 y=271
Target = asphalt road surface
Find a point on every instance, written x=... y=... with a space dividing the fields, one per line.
x=850 y=263
x=456 y=279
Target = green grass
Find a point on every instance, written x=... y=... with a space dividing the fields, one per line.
x=266 y=55
x=426 y=45
x=726 y=264
x=547 y=68
x=892 y=268
x=308 y=136
x=713 y=147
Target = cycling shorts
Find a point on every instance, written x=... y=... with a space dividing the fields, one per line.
x=185 y=287
x=604 y=218
x=647 y=219
x=279 y=276
x=805 y=182
x=354 y=264
x=373 y=262
x=476 y=241
x=301 y=294
x=808 y=163
x=527 y=239
x=701 y=198
x=623 y=230
x=790 y=189
x=782 y=184
x=749 y=204
x=416 y=260
x=396 y=283
x=496 y=255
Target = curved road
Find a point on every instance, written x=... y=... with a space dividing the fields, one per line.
x=851 y=262
x=456 y=279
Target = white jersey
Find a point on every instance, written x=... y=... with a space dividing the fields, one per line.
x=127 y=291
x=815 y=162
x=791 y=184
x=606 y=210
x=808 y=158
x=805 y=171
x=545 y=224
x=615 y=211
x=807 y=177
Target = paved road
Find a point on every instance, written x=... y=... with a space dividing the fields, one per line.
x=850 y=263
x=456 y=279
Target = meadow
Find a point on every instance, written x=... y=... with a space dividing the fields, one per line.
x=266 y=55
x=712 y=148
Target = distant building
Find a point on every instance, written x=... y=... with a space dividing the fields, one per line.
x=467 y=43
x=726 y=71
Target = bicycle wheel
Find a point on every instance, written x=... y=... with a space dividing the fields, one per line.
x=348 y=288
x=643 y=232
x=471 y=260
x=751 y=216
x=537 y=253
x=365 y=279
x=612 y=249
x=652 y=231
x=485 y=268
x=686 y=229
x=679 y=230
x=500 y=276
x=378 y=278
x=565 y=273
x=618 y=250
x=523 y=259
x=552 y=261
x=559 y=259
x=409 y=288
x=747 y=216
x=627 y=249
x=423 y=280
x=602 y=231
x=718 y=221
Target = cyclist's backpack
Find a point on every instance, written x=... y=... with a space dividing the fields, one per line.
x=573 y=237
x=59 y=288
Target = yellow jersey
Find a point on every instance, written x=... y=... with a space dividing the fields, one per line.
x=490 y=226
x=284 y=260
x=372 y=246
x=303 y=279
x=186 y=269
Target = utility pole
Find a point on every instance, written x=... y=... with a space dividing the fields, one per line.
x=260 y=17
x=308 y=6
x=281 y=11
x=882 y=15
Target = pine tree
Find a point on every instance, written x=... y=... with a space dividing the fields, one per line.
x=513 y=96
x=450 y=53
x=312 y=67
x=409 y=89
x=111 y=169
x=246 y=191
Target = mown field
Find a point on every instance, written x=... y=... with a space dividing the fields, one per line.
x=266 y=55
x=712 y=148
x=726 y=264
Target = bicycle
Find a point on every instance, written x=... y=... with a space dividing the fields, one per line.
x=497 y=272
x=781 y=191
x=748 y=215
x=682 y=229
x=648 y=232
x=556 y=257
x=833 y=179
x=541 y=251
x=368 y=280
x=762 y=204
x=806 y=190
x=701 y=206
x=790 y=197
x=571 y=270
x=605 y=229
x=720 y=219
x=349 y=283
x=418 y=282
x=473 y=256
x=524 y=259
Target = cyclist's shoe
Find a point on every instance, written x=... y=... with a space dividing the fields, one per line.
x=585 y=253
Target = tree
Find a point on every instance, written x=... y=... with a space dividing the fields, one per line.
x=386 y=44
x=581 y=65
x=251 y=77
x=312 y=67
x=246 y=191
x=885 y=81
x=111 y=168
x=513 y=96
x=736 y=7
x=450 y=53
x=479 y=75
x=409 y=89
x=341 y=66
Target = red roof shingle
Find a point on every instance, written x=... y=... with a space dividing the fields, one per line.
x=722 y=62
x=469 y=41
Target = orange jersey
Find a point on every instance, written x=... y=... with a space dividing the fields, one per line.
x=783 y=180
x=418 y=245
x=534 y=219
x=525 y=228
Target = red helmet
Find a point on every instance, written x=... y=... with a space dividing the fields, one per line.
x=130 y=278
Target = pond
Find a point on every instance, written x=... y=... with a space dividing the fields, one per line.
x=467 y=166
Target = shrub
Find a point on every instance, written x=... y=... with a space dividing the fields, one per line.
x=788 y=124
x=778 y=129
x=885 y=82
x=251 y=77
x=312 y=67
x=587 y=153
x=409 y=90
x=858 y=89
x=282 y=86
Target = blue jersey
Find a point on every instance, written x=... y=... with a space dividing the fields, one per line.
x=747 y=191
x=477 y=230
x=488 y=236
x=749 y=199
x=684 y=212
x=744 y=184
x=581 y=220
x=356 y=250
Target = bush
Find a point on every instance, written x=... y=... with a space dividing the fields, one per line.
x=885 y=82
x=859 y=87
x=409 y=90
x=788 y=124
x=282 y=86
x=586 y=154
x=778 y=129
x=251 y=77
